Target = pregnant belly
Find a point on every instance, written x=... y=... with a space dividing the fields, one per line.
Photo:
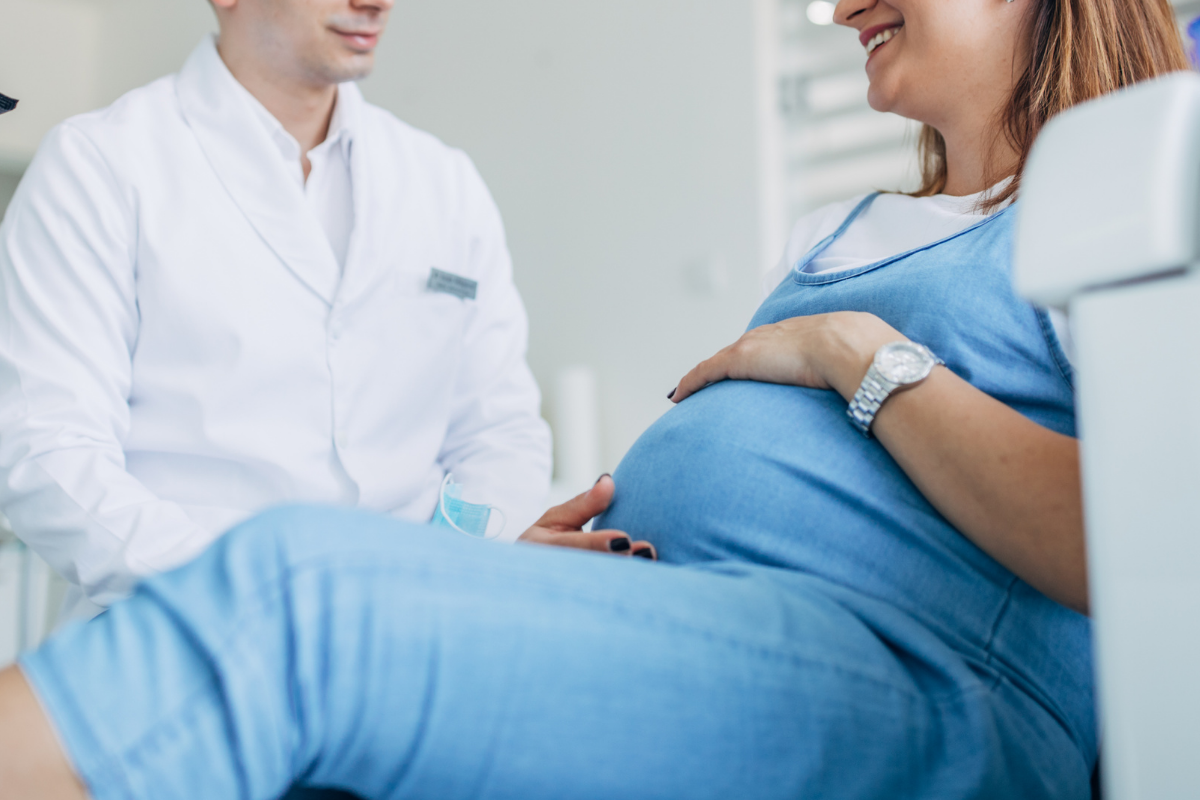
x=776 y=475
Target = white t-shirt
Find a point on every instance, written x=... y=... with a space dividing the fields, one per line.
x=893 y=224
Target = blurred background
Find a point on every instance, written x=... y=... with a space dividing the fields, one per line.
x=648 y=156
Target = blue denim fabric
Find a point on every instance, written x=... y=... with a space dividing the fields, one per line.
x=342 y=650
x=777 y=475
x=822 y=631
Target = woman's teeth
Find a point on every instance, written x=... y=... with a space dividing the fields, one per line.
x=880 y=38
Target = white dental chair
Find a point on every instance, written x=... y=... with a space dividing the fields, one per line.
x=1109 y=227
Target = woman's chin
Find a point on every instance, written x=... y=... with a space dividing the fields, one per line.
x=879 y=99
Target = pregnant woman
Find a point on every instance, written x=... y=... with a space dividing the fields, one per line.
x=896 y=614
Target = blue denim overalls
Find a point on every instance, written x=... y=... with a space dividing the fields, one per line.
x=777 y=476
x=821 y=631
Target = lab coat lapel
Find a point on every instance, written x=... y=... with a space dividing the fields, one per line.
x=246 y=162
x=361 y=244
x=392 y=222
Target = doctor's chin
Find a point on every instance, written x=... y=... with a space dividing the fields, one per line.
x=474 y=402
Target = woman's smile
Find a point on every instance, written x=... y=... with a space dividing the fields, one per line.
x=875 y=37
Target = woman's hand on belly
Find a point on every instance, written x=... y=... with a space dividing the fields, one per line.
x=562 y=526
x=1008 y=484
x=824 y=351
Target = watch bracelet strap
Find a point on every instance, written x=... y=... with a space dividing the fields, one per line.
x=868 y=399
x=873 y=393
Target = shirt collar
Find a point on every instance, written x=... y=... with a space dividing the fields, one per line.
x=341 y=129
x=341 y=124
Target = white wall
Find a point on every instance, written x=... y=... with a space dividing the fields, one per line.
x=619 y=138
x=145 y=39
x=620 y=141
x=51 y=71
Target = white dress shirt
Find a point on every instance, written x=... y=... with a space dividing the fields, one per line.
x=186 y=340
x=329 y=192
x=329 y=187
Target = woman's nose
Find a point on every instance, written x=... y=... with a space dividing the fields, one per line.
x=847 y=10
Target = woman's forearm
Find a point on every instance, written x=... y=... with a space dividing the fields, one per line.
x=1010 y=485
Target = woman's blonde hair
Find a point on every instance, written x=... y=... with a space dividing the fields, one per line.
x=1080 y=49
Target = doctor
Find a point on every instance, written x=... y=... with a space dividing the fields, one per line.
x=242 y=286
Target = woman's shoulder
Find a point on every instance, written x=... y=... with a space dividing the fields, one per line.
x=806 y=234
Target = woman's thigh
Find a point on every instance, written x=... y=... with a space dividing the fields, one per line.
x=343 y=650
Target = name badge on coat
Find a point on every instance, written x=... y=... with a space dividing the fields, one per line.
x=449 y=283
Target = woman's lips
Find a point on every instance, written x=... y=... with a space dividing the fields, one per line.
x=878 y=35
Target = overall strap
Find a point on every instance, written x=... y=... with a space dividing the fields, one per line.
x=824 y=244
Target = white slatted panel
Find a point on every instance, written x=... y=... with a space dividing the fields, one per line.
x=29 y=597
x=835 y=146
x=10 y=601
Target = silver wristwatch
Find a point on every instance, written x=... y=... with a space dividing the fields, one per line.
x=897 y=366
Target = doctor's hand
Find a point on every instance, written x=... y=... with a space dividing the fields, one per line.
x=562 y=526
x=824 y=351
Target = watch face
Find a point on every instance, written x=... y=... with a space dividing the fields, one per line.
x=904 y=362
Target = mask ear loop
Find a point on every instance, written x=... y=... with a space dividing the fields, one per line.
x=503 y=524
x=492 y=509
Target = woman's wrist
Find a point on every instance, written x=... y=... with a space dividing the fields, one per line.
x=855 y=340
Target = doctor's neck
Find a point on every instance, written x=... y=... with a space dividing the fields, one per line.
x=303 y=109
x=292 y=54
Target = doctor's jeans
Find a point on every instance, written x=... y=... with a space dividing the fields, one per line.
x=337 y=649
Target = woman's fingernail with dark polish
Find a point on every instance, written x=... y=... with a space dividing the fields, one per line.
x=645 y=552
x=621 y=545
x=602 y=477
x=671 y=396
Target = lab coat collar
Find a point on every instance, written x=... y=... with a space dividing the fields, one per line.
x=342 y=124
x=245 y=159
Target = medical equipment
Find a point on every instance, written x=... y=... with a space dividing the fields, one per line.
x=1110 y=228
x=472 y=519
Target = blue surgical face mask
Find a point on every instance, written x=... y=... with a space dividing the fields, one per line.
x=457 y=514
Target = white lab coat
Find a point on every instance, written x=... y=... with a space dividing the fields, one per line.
x=179 y=348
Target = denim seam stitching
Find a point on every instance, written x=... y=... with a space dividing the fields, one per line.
x=824 y=279
x=186 y=704
x=1065 y=370
x=995 y=628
